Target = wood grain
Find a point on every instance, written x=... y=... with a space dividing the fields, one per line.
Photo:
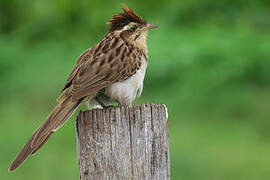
x=123 y=143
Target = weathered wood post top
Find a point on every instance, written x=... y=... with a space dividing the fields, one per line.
x=124 y=143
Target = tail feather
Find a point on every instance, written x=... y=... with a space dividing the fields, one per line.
x=55 y=120
x=61 y=113
x=24 y=153
x=41 y=144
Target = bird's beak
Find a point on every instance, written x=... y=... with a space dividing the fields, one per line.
x=151 y=26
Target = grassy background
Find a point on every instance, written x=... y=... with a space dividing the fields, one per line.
x=209 y=62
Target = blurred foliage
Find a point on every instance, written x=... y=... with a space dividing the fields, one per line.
x=208 y=62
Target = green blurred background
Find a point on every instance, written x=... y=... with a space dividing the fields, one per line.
x=209 y=62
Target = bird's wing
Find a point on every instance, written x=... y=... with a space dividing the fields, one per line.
x=106 y=65
x=82 y=58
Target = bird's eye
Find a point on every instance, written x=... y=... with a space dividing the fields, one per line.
x=133 y=27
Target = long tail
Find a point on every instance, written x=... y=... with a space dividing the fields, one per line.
x=61 y=113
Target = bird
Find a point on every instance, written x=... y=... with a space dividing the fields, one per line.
x=111 y=71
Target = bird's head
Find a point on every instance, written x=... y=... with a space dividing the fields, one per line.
x=130 y=26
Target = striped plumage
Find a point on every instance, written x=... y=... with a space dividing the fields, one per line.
x=114 y=69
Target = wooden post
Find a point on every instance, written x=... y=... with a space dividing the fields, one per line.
x=123 y=143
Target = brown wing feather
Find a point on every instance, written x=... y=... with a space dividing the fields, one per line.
x=82 y=58
x=103 y=68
